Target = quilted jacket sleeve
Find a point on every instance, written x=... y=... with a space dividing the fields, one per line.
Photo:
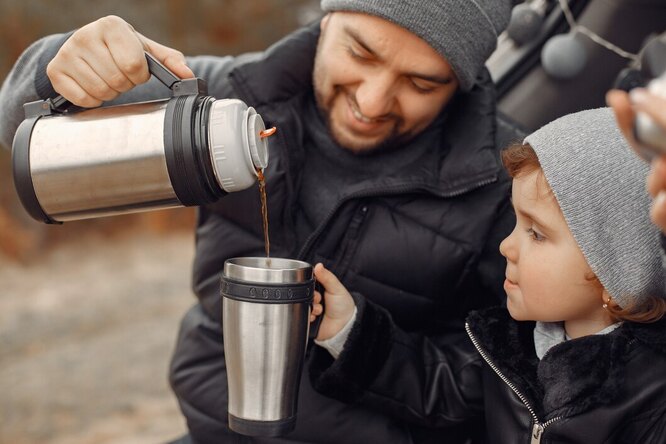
x=429 y=381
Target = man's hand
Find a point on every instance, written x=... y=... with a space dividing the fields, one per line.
x=339 y=304
x=625 y=112
x=106 y=58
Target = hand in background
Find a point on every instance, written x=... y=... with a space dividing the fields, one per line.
x=339 y=304
x=625 y=109
x=106 y=58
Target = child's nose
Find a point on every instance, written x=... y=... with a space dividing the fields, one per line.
x=507 y=248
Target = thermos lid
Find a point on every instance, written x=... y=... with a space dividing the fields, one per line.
x=261 y=270
x=237 y=149
x=258 y=145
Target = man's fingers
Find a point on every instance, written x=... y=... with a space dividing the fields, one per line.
x=72 y=91
x=171 y=58
x=126 y=49
x=658 y=211
x=90 y=81
x=102 y=62
x=656 y=180
x=624 y=114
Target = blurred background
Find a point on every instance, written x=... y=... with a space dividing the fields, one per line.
x=89 y=310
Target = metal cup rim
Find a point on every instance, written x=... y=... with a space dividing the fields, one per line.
x=281 y=270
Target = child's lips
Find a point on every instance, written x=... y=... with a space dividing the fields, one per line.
x=508 y=283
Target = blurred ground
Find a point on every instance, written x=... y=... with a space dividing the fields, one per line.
x=86 y=334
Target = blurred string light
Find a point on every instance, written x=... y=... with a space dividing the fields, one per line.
x=563 y=56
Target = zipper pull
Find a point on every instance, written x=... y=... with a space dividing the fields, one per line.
x=537 y=431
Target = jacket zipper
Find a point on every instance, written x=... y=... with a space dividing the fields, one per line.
x=537 y=428
x=395 y=191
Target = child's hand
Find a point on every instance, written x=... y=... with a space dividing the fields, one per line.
x=339 y=304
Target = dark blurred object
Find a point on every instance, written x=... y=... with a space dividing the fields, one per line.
x=526 y=21
x=531 y=98
x=564 y=56
x=628 y=79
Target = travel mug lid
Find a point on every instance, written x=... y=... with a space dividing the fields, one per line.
x=261 y=270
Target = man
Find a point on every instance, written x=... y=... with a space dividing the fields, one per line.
x=384 y=168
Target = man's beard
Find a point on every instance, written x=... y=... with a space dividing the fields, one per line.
x=392 y=141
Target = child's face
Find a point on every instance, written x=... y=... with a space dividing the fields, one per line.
x=546 y=271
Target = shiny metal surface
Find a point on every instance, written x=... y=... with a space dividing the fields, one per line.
x=260 y=270
x=101 y=162
x=264 y=352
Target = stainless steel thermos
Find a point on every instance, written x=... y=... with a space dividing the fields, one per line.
x=266 y=306
x=191 y=149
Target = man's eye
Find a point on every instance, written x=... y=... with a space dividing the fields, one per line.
x=421 y=88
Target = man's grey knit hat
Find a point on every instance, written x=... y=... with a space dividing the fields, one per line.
x=463 y=31
x=599 y=184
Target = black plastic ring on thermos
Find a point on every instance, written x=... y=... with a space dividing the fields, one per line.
x=186 y=150
x=267 y=293
x=25 y=188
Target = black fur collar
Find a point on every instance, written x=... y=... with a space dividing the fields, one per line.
x=572 y=377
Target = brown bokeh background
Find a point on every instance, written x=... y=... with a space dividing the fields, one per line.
x=89 y=310
x=217 y=27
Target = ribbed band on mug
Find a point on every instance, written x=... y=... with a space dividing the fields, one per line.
x=599 y=184
x=464 y=32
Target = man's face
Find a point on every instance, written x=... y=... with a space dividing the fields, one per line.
x=376 y=83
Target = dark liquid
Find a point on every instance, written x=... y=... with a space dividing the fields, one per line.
x=264 y=214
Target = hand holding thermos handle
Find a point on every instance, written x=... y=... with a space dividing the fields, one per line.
x=158 y=70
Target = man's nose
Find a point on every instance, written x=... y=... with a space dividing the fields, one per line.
x=375 y=97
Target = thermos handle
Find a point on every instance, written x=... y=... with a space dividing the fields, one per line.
x=178 y=87
x=314 y=325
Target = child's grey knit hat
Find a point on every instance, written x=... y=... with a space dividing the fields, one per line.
x=599 y=184
x=464 y=32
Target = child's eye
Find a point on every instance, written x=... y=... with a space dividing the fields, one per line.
x=535 y=235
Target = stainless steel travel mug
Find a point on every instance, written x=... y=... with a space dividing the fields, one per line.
x=266 y=310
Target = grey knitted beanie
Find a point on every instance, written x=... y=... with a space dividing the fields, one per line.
x=463 y=31
x=599 y=185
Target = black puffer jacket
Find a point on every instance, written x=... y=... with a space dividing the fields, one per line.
x=596 y=389
x=423 y=243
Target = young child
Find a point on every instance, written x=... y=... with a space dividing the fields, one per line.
x=583 y=262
